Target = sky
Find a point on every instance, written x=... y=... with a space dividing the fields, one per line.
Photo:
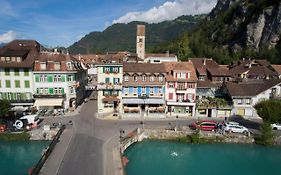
x=63 y=22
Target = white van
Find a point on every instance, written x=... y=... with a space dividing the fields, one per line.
x=31 y=119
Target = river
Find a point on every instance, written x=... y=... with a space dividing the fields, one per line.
x=173 y=158
x=18 y=156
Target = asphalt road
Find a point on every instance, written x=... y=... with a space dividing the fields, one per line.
x=89 y=151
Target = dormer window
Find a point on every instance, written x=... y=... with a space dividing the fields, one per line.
x=69 y=66
x=18 y=59
x=151 y=78
x=2 y=58
x=126 y=78
x=135 y=78
x=161 y=78
x=43 y=66
x=181 y=75
x=13 y=59
x=143 y=78
x=57 y=66
x=8 y=59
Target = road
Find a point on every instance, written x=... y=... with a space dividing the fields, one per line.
x=90 y=149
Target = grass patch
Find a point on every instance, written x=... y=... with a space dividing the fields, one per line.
x=23 y=136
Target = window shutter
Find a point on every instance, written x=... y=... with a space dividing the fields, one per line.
x=63 y=78
x=37 y=78
x=62 y=90
x=50 y=78
x=51 y=90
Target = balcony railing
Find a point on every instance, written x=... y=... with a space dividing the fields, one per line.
x=109 y=86
x=22 y=101
x=49 y=96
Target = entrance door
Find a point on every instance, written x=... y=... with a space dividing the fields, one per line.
x=142 y=107
x=115 y=104
x=209 y=112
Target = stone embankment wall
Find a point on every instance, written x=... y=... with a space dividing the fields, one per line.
x=215 y=137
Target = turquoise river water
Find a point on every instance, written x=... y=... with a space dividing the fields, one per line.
x=173 y=158
x=17 y=157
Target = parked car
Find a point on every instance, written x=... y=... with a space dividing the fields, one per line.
x=235 y=128
x=276 y=126
x=204 y=125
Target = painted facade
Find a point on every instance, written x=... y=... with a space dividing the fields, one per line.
x=109 y=87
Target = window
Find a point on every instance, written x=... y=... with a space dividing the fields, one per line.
x=71 y=89
x=7 y=71
x=143 y=78
x=8 y=59
x=160 y=90
x=60 y=90
x=26 y=72
x=190 y=97
x=43 y=78
x=13 y=59
x=26 y=84
x=8 y=84
x=69 y=78
x=2 y=58
x=190 y=85
x=69 y=66
x=151 y=78
x=116 y=80
x=18 y=59
x=171 y=85
x=143 y=90
x=115 y=70
x=43 y=66
x=57 y=66
x=107 y=80
x=126 y=78
x=17 y=71
x=181 y=86
x=106 y=69
x=135 y=78
x=248 y=101
x=170 y=96
x=140 y=39
x=57 y=78
x=17 y=83
x=239 y=101
x=161 y=78
x=151 y=90
x=135 y=90
x=126 y=90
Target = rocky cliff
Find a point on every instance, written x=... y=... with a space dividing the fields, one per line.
x=250 y=24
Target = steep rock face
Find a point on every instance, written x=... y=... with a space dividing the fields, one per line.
x=251 y=24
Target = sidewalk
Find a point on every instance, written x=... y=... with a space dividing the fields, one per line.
x=53 y=163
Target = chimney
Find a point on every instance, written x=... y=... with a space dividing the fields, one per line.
x=140 y=44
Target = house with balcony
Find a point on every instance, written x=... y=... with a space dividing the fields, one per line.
x=16 y=75
x=59 y=81
x=181 y=83
x=245 y=95
x=109 y=87
x=143 y=90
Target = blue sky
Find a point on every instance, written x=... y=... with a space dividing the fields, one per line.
x=62 y=22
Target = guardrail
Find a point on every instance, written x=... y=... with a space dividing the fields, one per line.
x=44 y=157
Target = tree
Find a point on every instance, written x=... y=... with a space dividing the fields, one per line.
x=266 y=137
x=5 y=107
x=269 y=110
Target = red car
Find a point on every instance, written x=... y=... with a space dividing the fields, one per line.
x=204 y=125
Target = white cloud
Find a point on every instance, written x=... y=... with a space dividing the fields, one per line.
x=8 y=36
x=169 y=10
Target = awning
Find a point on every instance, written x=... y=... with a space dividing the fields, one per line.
x=48 y=102
x=133 y=101
x=143 y=101
x=110 y=99
x=19 y=108
x=154 y=101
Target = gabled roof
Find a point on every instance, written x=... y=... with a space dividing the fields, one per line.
x=251 y=88
x=277 y=68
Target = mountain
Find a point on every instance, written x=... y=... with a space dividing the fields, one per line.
x=1 y=45
x=122 y=37
x=235 y=29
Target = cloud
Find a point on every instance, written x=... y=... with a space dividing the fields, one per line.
x=8 y=36
x=169 y=10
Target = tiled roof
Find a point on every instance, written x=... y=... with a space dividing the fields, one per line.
x=277 y=68
x=207 y=84
x=179 y=66
x=143 y=68
x=202 y=65
x=254 y=67
x=251 y=88
x=26 y=49
x=148 y=55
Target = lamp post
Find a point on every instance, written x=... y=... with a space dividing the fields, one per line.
x=121 y=132
x=143 y=97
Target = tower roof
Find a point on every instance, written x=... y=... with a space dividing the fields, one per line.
x=140 y=30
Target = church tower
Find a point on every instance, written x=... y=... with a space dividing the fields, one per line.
x=141 y=41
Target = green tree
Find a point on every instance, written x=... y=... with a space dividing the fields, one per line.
x=269 y=110
x=5 y=107
x=266 y=137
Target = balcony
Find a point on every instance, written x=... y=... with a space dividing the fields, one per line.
x=21 y=101
x=180 y=90
x=109 y=86
x=49 y=96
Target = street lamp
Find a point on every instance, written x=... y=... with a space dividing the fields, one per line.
x=143 y=97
